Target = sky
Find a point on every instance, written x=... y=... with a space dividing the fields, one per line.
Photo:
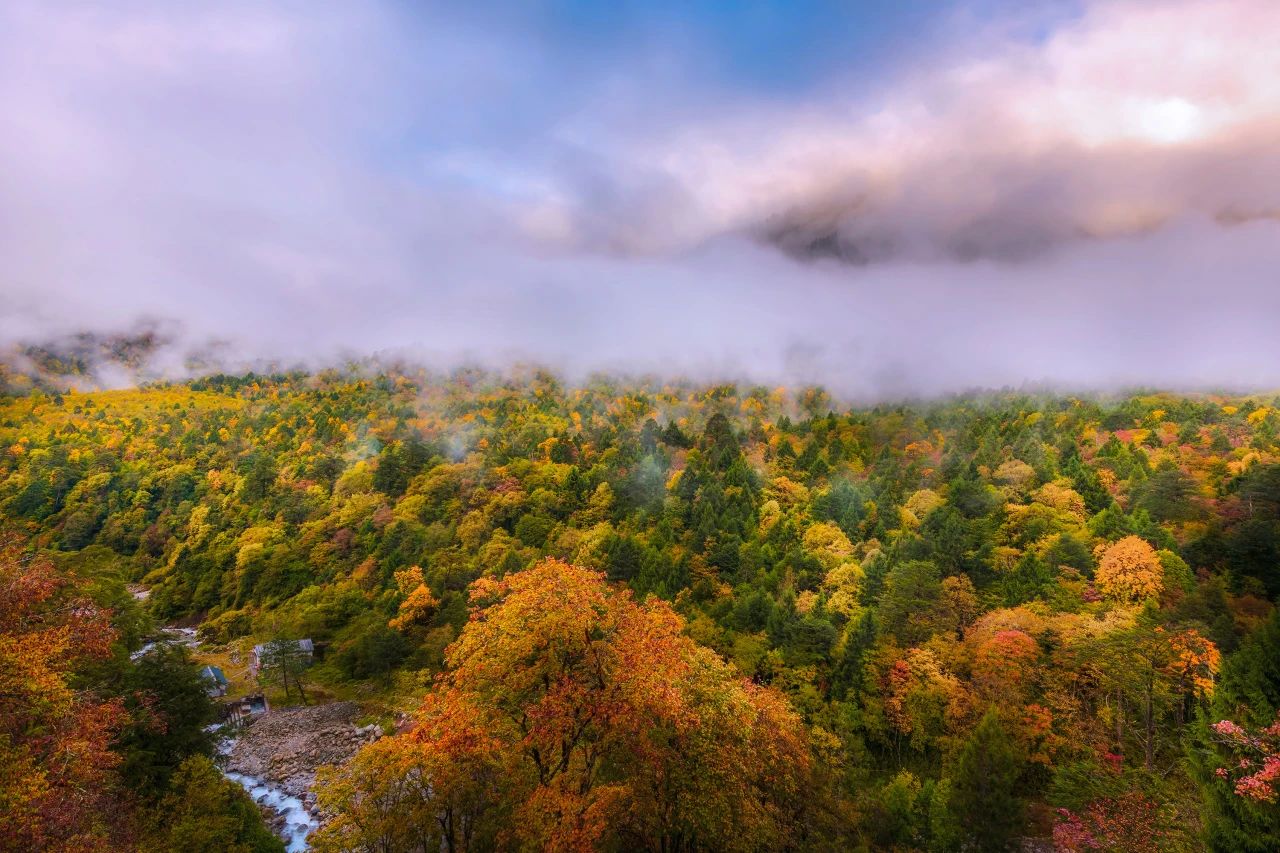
x=887 y=198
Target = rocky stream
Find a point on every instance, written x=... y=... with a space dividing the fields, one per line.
x=275 y=758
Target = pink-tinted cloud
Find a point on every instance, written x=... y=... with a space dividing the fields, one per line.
x=308 y=180
x=1121 y=122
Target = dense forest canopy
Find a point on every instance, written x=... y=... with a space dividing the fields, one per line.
x=439 y=427
x=936 y=625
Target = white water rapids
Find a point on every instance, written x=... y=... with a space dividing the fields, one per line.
x=298 y=821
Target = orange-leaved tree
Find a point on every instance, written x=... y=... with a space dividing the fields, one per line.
x=418 y=602
x=1130 y=571
x=57 y=775
x=437 y=787
x=572 y=717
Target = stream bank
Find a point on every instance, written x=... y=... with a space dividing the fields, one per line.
x=293 y=821
x=275 y=758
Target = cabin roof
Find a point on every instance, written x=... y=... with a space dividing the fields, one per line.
x=214 y=674
x=305 y=645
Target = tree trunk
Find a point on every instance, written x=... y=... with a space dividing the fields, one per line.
x=297 y=679
x=1119 y=720
x=1151 y=724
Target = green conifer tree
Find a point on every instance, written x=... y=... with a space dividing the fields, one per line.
x=984 y=793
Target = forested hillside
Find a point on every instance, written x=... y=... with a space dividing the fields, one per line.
x=636 y=615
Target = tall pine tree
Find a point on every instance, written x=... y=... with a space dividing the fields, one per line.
x=985 y=787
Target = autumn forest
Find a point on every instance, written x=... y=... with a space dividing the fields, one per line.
x=659 y=426
x=624 y=614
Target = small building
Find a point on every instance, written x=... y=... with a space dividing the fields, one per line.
x=215 y=682
x=239 y=712
x=306 y=650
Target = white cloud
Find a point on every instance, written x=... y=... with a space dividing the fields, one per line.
x=1126 y=118
x=310 y=179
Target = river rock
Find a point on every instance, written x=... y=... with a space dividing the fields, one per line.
x=286 y=746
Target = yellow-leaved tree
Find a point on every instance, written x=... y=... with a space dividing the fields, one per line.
x=828 y=544
x=418 y=603
x=1129 y=571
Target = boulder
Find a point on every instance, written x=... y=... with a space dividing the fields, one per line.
x=286 y=746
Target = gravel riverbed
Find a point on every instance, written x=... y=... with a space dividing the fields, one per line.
x=275 y=758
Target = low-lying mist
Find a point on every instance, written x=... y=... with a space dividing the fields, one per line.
x=1089 y=318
